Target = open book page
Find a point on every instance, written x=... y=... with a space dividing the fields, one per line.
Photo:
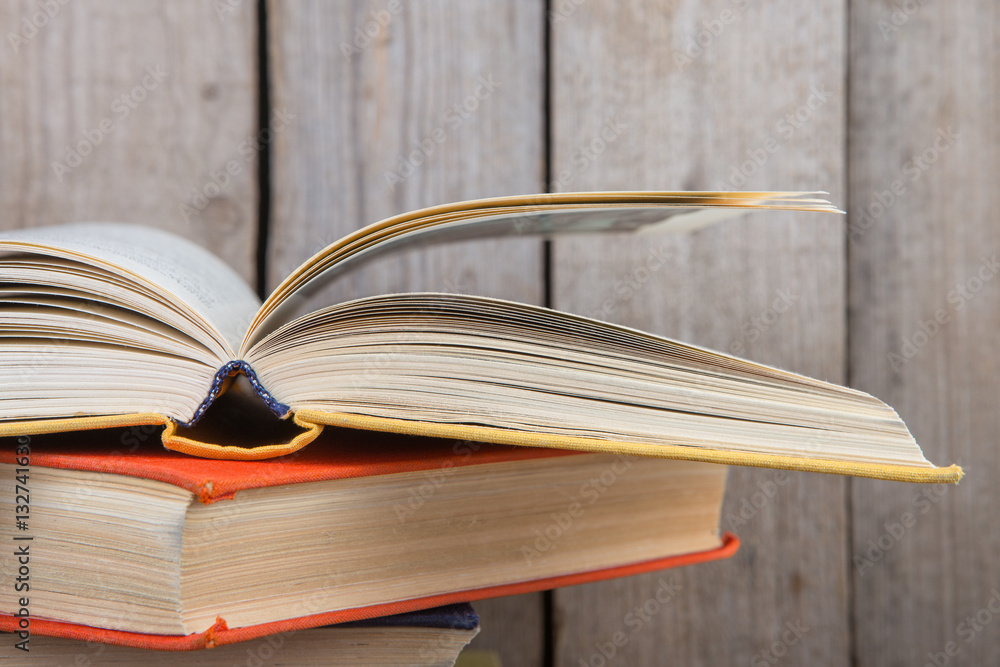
x=539 y=215
x=460 y=359
x=33 y=312
x=180 y=272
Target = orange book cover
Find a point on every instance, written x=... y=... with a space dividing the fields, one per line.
x=352 y=455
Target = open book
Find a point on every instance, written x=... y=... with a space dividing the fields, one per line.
x=107 y=325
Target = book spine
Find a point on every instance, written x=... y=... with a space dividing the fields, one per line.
x=231 y=369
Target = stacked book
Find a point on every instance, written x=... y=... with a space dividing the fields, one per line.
x=158 y=493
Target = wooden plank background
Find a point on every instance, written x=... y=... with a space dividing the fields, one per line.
x=706 y=117
x=924 y=107
x=892 y=107
x=365 y=107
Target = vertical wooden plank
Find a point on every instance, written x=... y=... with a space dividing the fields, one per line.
x=706 y=95
x=925 y=312
x=514 y=628
x=399 y=106
x=123 y=111
x=443 y=102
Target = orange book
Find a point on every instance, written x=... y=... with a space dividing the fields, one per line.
x=148 y=547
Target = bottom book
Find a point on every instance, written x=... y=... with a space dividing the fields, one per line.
x=429 y=638
x=171 y=552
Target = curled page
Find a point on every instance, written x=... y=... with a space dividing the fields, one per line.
x=536 y=215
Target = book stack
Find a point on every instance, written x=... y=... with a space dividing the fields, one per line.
x=156 y=482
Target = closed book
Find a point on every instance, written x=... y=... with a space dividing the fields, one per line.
x=169 y=550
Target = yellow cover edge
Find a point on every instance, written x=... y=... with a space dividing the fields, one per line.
x=170 y=438
x=899 y=473
x=313 y=422
x=39 y=426
x=207 y=450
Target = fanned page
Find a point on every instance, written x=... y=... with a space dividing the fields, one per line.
x=103 y=319
x=185 y=275
x=535 y=215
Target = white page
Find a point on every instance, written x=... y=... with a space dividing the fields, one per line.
x=184 y=273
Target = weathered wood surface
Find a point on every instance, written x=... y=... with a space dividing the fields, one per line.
x=443 y=103
x=439 y=102
x=770 y=287
x=783 y=289
x=925 y=315
x=124 y=111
